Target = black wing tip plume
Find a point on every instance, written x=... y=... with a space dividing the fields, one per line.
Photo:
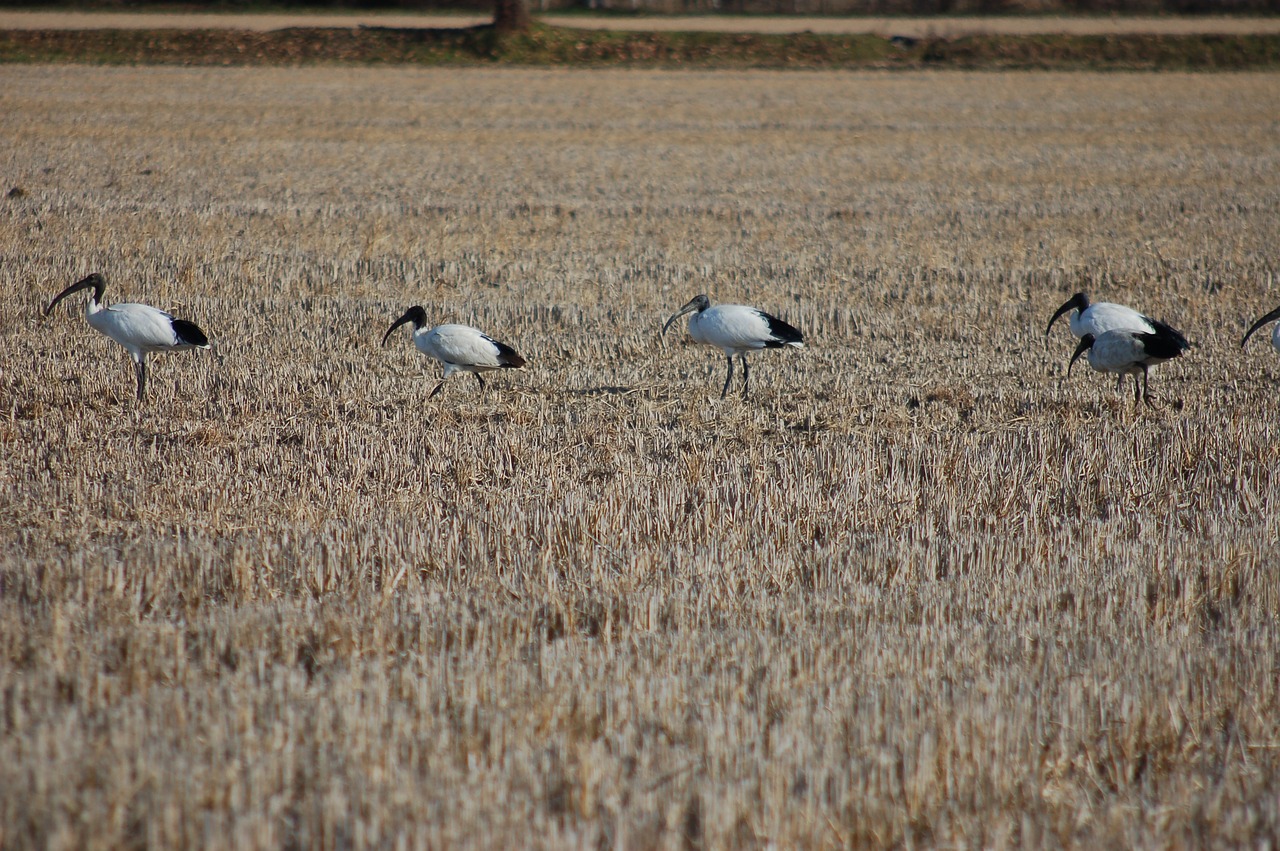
x=508 y=357
x=189 y=334
x=1079 y=302
x=782 y=332
x=1170 y=338
x=1166 y=343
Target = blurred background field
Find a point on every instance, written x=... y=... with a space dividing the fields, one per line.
x=718 y=9
x=919 y=590
x=916 y=26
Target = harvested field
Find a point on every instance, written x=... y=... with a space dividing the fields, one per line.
x=919 y=590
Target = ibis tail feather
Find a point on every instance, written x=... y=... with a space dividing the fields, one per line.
x=782 y=333
x=508 y=357
x=189 y=334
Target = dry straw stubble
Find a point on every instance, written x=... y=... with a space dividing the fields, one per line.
x=919 y=590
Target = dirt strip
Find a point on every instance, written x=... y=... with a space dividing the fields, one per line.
x=914 y=27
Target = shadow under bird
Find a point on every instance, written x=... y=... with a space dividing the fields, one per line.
x=1098 y=319
x=1275 y=332
x=460 y=348
x=736 y=329
x=1131 y=353
x=140 y=328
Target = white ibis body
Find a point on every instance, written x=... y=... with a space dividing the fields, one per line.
x=140 y=328
x=1275 y=332
x=1131 y=353
x=736 y=330
x=1098 y=319
x=460 y=348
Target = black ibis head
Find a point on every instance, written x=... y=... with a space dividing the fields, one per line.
x=95 y=282
x=1079 y=302
x=1086 y=343
x=415 y=314
x=697 y=304
x=1273 y=315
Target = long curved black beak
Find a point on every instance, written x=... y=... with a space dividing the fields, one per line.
x=1071 y=304
x=688 y=308
x=673 y=319
x=408 y=317
x=1275 y=314
x=93 y=282
x=1086 y=343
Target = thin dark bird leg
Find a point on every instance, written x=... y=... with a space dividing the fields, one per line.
x=746 y=374
x=1136 y=388
x=141 y=369
x=728 y=377
x=481 y=380
x=439 y=387
x=1146 y=395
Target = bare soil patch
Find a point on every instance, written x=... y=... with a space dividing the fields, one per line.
x=916 y=27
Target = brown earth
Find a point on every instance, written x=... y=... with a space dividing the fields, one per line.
x=914 y=27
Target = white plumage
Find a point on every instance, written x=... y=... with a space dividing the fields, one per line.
x=1098 y=319
x=1131 y=353
x=1275 y=332
x=460 y=348
x=736 y=329
x=140 y=328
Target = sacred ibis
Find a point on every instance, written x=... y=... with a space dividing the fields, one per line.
x=1098 y=319
x=140 y=328
x=460 y=348
x=1275 y=333
x=1131 y=353
x=736 y=330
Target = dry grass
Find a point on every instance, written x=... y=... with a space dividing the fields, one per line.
x=918 y=591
